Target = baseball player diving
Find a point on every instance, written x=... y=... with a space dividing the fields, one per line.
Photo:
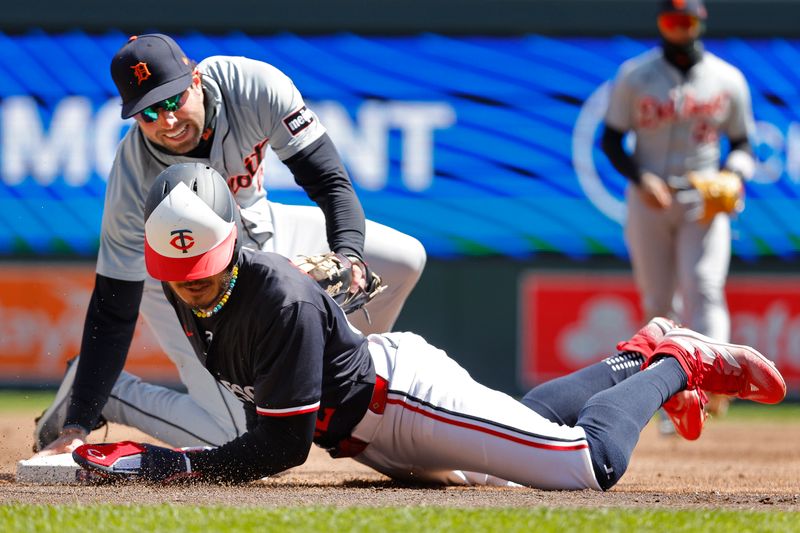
x=224 y=112
x=390 y=400
x=679 y=100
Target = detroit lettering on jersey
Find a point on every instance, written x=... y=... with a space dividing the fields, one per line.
x=653 y=112
x=255 y=170
x=299 y=120
x=678 y=119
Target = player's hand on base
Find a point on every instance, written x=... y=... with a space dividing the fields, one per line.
x=69 y=439
x=133 y=460
x=654 y=191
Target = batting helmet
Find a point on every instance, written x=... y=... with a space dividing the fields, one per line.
x=191 y=224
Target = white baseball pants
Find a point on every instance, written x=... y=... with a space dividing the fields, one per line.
x=441 y=426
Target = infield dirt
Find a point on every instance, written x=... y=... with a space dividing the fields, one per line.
x=735 y=465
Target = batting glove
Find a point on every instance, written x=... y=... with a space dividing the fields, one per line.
x=132 y=460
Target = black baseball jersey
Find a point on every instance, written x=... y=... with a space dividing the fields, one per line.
x=284 y=347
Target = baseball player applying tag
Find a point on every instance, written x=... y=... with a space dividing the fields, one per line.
x=225 y=112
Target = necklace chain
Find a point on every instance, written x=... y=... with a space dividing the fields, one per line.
x=199 y=313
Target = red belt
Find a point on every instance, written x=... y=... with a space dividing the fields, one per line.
x=351 y=446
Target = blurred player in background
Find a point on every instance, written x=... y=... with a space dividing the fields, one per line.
x=224 y=112
x=679 y=100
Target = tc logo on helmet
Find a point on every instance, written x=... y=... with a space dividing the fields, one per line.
x=141 y=72
x=182 y=240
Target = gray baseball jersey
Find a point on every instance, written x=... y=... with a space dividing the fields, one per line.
x=678 y=120
x=269 y=112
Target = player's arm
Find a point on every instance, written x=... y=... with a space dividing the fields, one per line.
x=619 y=119
x=107 y=335
x=739 y=128
x=250 y=416
x=319 y=170
x=652 y=188
x=301 y=142
x=740 y=159
x=612 y=145
x=274 y=445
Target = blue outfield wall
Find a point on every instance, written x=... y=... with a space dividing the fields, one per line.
x=476 y=145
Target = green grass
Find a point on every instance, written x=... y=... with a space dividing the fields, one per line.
x=107 y=518
x=25 y=400
x=743 y=411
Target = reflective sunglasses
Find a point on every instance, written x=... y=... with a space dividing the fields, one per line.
x=173 y=103
x=675 y=21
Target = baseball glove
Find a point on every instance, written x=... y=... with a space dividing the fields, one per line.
x=722 y=192
x=334 y=273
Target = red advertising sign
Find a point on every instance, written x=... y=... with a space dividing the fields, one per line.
x=42 y=309
x=570 y=320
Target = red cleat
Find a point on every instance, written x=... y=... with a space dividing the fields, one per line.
x=686 y=412
x=722 y=368
x=684 y=409
x=646 y=339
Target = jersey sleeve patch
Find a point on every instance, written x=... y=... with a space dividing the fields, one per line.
x=298 y=120
x=288 y=411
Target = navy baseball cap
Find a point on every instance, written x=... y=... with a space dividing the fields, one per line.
x=148 y=69
x=695 y=8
